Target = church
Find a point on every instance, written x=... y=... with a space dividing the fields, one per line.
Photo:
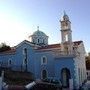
x=64 y=61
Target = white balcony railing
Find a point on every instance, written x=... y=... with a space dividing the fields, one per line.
x=63 y=53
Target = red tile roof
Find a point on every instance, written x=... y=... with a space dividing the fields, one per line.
x=52 y=46
x=12 y=51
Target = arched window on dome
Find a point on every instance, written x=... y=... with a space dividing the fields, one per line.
x=38 y=40
x=43 y=41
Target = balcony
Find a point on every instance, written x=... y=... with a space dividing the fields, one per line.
x=58 y=54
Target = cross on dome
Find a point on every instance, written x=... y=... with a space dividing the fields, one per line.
x=37 y=28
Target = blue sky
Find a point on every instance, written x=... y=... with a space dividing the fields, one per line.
x=20 y=18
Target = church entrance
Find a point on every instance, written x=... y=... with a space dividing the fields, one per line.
x=44 y=74
x=65 y=76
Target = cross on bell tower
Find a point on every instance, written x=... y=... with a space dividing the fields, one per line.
x=66 y=33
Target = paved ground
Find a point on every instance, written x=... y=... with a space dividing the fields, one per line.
x=87 y=85
x=65 y=89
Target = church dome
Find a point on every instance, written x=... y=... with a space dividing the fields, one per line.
x=39 y=33
x=39 y=38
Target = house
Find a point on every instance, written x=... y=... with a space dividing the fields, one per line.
x=65 y=60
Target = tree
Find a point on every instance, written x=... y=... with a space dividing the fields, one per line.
x=4 y=47
x=88 y=61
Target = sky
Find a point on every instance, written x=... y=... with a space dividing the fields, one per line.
x=20 y=18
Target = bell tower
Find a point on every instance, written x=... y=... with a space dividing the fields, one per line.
x=66 y=34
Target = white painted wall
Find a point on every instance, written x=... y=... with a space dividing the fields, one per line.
x=80 y=64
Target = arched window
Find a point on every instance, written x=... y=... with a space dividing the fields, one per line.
x=9 y=63
x=66 y=37
x=43 y=41
x=25 y=56
x=66 y=50
x=38 y=40
x=43 y=60
x=79 y=75
x=65 y=76
x=44 y=74
x=24 y=51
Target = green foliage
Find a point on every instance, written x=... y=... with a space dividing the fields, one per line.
x=4 y=47
x=88 y=61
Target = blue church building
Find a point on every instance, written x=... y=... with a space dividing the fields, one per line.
x=64 y=61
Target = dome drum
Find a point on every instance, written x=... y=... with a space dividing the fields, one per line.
x=39 y=38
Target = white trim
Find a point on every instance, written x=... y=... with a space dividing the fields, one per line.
x=24 y=50
x=27 y=42
x=23 y=63
x=24 y=56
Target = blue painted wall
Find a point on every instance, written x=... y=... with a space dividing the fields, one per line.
x=54 y=65
x=19 y=57
x=49 y=66
x=64 y=62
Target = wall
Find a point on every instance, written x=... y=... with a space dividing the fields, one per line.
x=19 y=56
x=39 y=67
x=64 y=62
x=80 y=62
